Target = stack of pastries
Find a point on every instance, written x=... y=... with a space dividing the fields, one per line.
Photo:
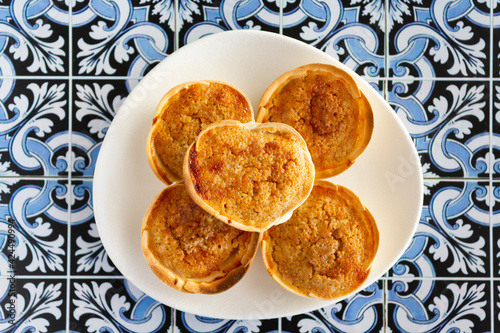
x=238 y=183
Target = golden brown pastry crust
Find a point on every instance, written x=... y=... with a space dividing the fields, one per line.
x=324 y=104
x=327 y=248
x=182 y=113
x=190 y=250
x=249 y=175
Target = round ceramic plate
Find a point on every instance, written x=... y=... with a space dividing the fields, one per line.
x=387 y=177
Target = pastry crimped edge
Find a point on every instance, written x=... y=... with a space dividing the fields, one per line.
x=366 y=123
x=271 y=265
x=188 y=181
x=163 y=172
x=215 y=283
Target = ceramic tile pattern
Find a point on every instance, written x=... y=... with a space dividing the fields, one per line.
x=67 y=66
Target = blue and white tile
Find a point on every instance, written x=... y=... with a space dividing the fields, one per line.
x=191 y=323
x=429 y=39
x=200 y=18
x=453 y=236
x=122 y=38
x=449 y=123
x=88 y=255
x=34 y=136
x=349 y=31
x=37 y=305
x=496 y=37
x=495 y=135
x=380 y=86
x=439 y=306
x=34 y=38
x=115 y=305
x=95 y=104
x=37 y=213
x=363 y=312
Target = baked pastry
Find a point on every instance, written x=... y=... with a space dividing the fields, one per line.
x=190 y=250
x=324 y=104
x=251 y=175
x=182 y=113
x=327 y=248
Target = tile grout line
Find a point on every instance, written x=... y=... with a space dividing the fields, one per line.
x=386 y=47
x=173 y=311
x=60 y=277
x=138 y=78
x=440 y=278
x=385 y=311
x=121 y=277
x=491 y=160
x=70 y=150
x=383 y=278
x=280 y=25
x=68 y=257
x=132 y=77
x=67 y=77
x=385 y=306
x=176 y=25
x=172 y=320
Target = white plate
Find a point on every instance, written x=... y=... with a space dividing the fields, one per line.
x=387 y=177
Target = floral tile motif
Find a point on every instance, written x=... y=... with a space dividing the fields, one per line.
x=429 y=39
x=33 y=305
x=33 y=41
x=200 y=18
x=496 y=39
x=35 y=212
x=452 y=239
x=125 y=38
x=349 y=31
x=88 y=256
x=362 y=312
x=95 y=104
x=449 y=123
x=190 y=323
x=34 y=134
x=439 y=306
x=115 y=306
x=495 y=135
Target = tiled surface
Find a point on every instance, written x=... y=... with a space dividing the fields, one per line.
x=66 y=67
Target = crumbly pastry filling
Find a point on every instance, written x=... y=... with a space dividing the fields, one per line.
x=190 y=111
x=250 y=175
x=321 y=109
x=326 y=248
x=190 y=242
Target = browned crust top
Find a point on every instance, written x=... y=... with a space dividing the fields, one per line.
x=249 y=175
x=191 y=250
x=323 y=103
x=180 y=116
x=326 y=249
